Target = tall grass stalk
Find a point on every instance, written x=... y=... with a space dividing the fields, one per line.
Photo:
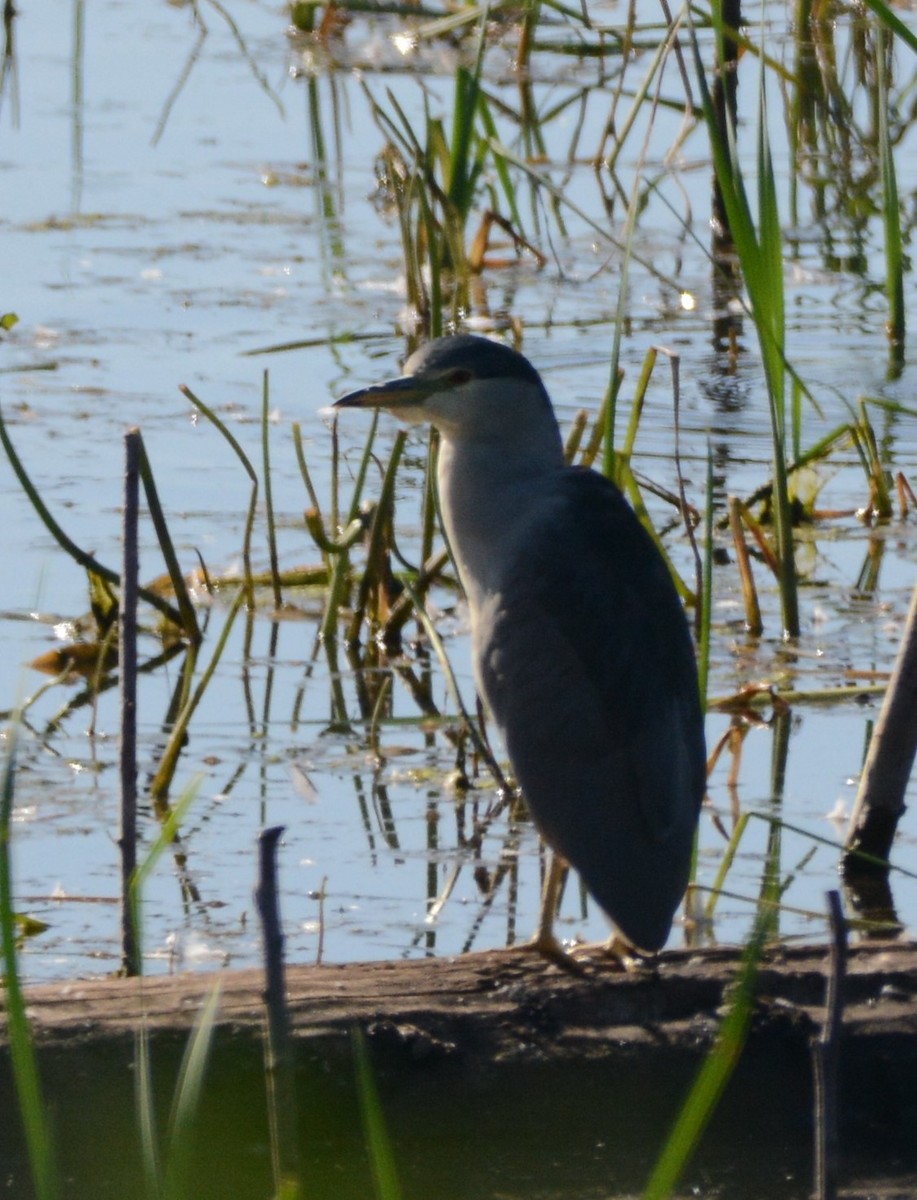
x=891 y=215
x=145 y=1108
x=155 y=1170
x=336 y=554
x=753 y=622
x=168 y=1168
x=253 y=496
x=359 y=483
x=372 y=580
x=867 y=447
x=726 y=860
x=760 y=253
x=378 y=1144
x=434 y=178
x=429 y=519
x=304 y=470
x=162 y=779
x=716 y=1071
x=894 y=24
x=464 y=162
x=771 y=887
x=166 y=837
x=32 y=1108
x=157 y=516
x=733 y=1032
x=268 y=492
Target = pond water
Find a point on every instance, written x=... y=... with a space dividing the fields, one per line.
x=153 y=237
x=529 y=1132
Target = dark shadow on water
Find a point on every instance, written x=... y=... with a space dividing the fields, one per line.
x=530 y=1131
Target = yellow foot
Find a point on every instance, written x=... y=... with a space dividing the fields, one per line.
x=549 y=947
x=614 y=954
x=620 y=951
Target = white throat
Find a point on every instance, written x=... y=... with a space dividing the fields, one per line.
x=489 y=494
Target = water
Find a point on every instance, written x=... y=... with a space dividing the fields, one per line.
x=136 y=266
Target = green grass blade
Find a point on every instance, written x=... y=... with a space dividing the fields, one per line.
x=185 y=607
x=768 y=309
x=499 y=162
x=636 y=410
x=760 y=253
x=22 y=1050
x=305 y=472
x=768 y=293
x=893 y=23
x=268 y=491
x=460 y=188
x=726 y=861
x=164 y=772
x=631 y=488
x=715 y=1072
x=891 y=216
x=184 y=1118
x=356 y=498
x=166 y=836
x=385 y=1176
x=146 y=1114
x=249 y=471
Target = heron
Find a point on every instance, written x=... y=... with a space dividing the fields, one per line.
x=581 y=648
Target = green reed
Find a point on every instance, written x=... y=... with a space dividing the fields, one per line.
x=375 y=1130
x=33 y=1109
x=759 y=248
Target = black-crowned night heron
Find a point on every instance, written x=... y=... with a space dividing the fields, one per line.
x=581 y=647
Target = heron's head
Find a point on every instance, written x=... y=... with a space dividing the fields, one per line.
x=469 y=387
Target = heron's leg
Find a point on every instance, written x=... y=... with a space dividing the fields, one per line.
x=550 y=898
x=545 y=941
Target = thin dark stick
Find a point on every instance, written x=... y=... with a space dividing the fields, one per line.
x=827 y=1054
x=127 y=657
x=281 y=1092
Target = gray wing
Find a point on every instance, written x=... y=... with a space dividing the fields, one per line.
x=587 y=665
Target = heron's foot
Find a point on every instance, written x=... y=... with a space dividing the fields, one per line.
x=615 y=954
x=620 y=952
x=548 y=946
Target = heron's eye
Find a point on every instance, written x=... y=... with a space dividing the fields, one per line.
x=459 y=376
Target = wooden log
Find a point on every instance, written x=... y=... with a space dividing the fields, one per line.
x=501 y=1006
